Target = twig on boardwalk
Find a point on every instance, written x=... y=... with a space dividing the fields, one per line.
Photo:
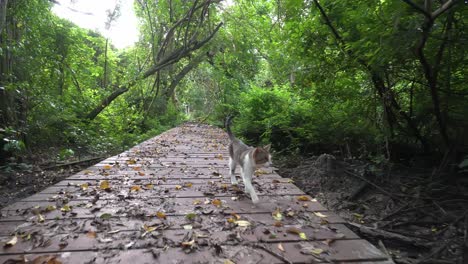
x=283 y=258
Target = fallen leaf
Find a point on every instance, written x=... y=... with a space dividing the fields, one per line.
x=66 y=208
x=224 y=186
x=227 y=261
x=107 y=167
x=86 y=172
x=242 y=223
x=231 y=220
x=50 y=208
x=320 y=214
x=280 y=247
x=290 y=181
x=260 y=172
x=178 y=187
x=303 y=236
x=316 y=251
x=136 y=168
x=84 y=186
x=278 y=224
x=188 y=227
x=104 y=185
x=219 y=156
x=191 y=216
x=135 y=188
x=303 y=198
x=277 y=215
x=91 y=234
x=236 y=216
x=216 y=202
x=196 y=202
x=149 y=229
x=141 y=173
x=188 y=184
x=290 y=213
x=40 y=218
x=149 y=186
x=131 y=161
x=161 y=215
x=12 y=242
x=188 y=244
x=105 y=216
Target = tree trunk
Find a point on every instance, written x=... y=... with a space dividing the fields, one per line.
x=104 y=103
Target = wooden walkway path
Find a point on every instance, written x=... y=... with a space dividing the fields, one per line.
x=169 y=200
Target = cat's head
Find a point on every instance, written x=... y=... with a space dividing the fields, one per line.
x=262 y=156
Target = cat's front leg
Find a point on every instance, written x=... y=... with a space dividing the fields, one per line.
x=247 y=177
x=232 y=170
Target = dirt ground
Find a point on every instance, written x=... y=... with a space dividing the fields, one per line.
x=415 y=215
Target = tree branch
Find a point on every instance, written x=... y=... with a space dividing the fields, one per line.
x=418 y=8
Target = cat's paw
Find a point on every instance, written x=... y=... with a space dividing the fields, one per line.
x=255 y=199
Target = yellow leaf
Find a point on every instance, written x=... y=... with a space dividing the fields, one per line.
x=86 y=172
x=50 y=208
x=188 y=184
x=12 y=242
x=40 y=218
x=65 y=208
x=188 y=227
x=358 y=216
x=277 y=215
x=84 y=186
x=260 y=172
x=91 y=234
x=107 y=167
x=196 y=201
x=161 y=215
x=231 y=220
x=317 y=251
x=224 y=186
x=303 y=198
x=219 y=156
x=216 y=202
x=280 y=247
x=149 y=186
x=149 y=228
x=178 y=187
x=303 y=236
x=319 y=214
x=242 y=223
x=104 y=185
x=227 y=261
x=135 y=188
x=131 y=161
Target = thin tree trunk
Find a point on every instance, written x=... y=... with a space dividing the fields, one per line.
x=104 y=103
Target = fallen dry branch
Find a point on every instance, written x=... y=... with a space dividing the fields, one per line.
x=73 y=163
x=382 y=234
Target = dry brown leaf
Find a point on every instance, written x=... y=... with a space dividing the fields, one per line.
x=107 y=167
x=104 y=185
x=149 y=229
x=216 y=202
x=12 y=242
x=188 y=244
x=278 y=224
x=303 y=198
x=91 y=234
x=141 y=173
x=280 y=247
x=161 y=215
x=236 y=216
x=178 y=187
x=131 y=161
x=136 y=168
x=135 y=188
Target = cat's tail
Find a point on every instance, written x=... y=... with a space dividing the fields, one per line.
x=227 y=124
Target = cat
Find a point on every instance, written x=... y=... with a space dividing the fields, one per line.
x=248 y=159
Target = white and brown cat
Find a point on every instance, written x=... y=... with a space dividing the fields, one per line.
x=248 y=158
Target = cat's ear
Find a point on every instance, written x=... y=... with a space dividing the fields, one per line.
x=267 y=147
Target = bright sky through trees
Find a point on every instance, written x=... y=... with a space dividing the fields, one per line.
x=92 y=14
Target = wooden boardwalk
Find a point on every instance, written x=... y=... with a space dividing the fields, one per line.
x=169 y=200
